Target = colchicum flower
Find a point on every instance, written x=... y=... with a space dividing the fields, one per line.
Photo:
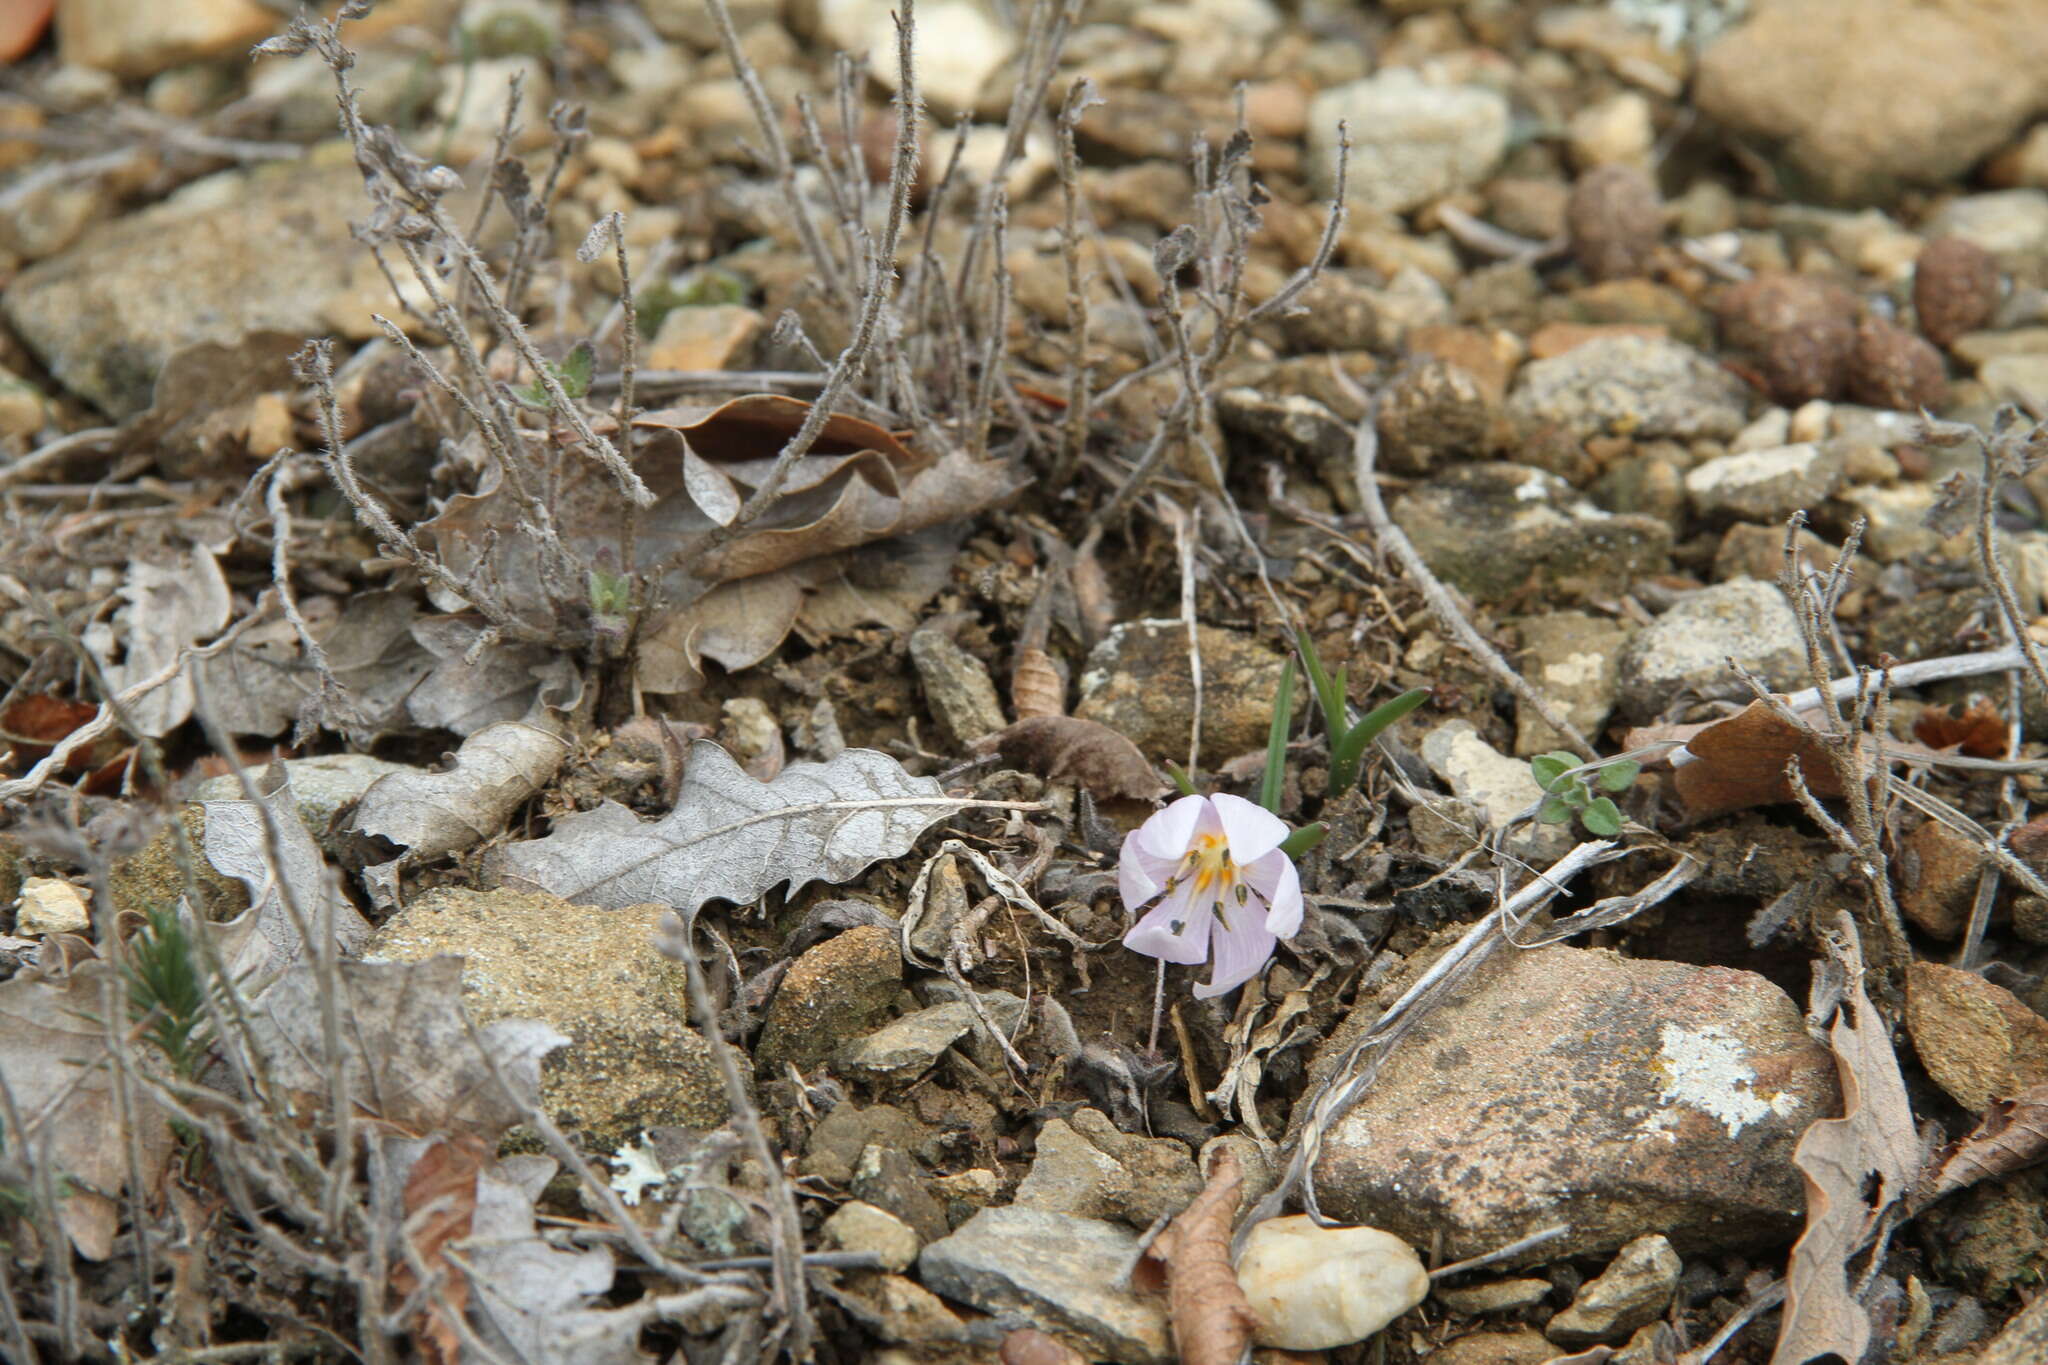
x=1215 y=865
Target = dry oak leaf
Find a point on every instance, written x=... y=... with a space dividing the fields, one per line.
x=1978 y=730
x=264 y=845
x=2012 y=1135
x=55 y=1066
x=419 y=1065
x=1855 y=1167
x=1069 y=749
x=1212 y=1321
x=1739 y=762
x=1977 y=1039
x=439 y=1207
x=731 y=837
x=858 y=484
x=425 y=815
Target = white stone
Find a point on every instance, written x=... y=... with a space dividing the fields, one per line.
x=857 y=1226
x=1764 y=485
x=1897 y=519
x=2005 y=223
x=1411 y=142
x=2021 y=379
x=1499 y=786
x=51 y=906
x=142 y=37
x=1773 y=428
x=1315 y=1289
x=960 y=45
x=1613 y=132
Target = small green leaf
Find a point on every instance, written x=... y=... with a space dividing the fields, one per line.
x=1602 y=817
x=1547 y=768
x=1553 y=811
x=1180 y=778
x=577 y=370
x=1304 y=839
x=611 y=594
x=1575 y=791
x=535 y=396
x=1618 y=776
x=1276 y=741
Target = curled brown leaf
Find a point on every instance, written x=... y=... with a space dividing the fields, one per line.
x=1069 y=749
x=1212 y=1321
x=1977 y=730
x=2013 y=1134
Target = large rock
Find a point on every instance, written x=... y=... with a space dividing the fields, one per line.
x=1765 y=485
x=1621 y=1096
x=1866 y=96
x=1411 y=142
x=227 y=256
x=633 y=1061
x=143 y=37
x=1139 y=682
x=1497 y=531
x=1687 y=648
x=961 y=45
x=1642 y=387
x=1056 y=1272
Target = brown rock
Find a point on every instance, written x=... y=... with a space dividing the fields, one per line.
x=1955 y=288
x=1555 y=338
x=1892 y=368
x=1621 y=1096
x=841 y=989
x=1915 y=92
x=706 y=338
x=143 y=37
x=1524 y=1347
x=1614 y=219
x=1489 y=357
x=1938 y=879
x=1138 y=681
x=1431 y=411
x=1976 y=1039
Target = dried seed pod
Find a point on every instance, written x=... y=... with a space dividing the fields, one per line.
x=1809 y=360
x=1955 y=288
x=1036 y=688
x=1892 y=368
x=1800 y=328
x=1614 y=219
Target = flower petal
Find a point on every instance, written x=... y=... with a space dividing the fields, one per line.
x=1177 y=929
x=1253 y=830
x=1168 y=834
x=1140 y=874
x=1240 y=951
x=1275 y=881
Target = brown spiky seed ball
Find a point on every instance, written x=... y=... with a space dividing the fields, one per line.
x=1955 y=288
x=1892 y=368
x=1614 y=219
x=1800 y=328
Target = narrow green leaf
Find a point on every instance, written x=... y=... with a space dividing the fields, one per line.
x=1553 y=811
x=1304 y=839
x=1547 y=768
x=1352 y=746
x=1602 y=817
x=1180 y=778
x=1619 y=776
x=1276 y=741
x=1329 y=696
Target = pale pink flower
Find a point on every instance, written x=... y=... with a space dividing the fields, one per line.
x=1226 y=892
